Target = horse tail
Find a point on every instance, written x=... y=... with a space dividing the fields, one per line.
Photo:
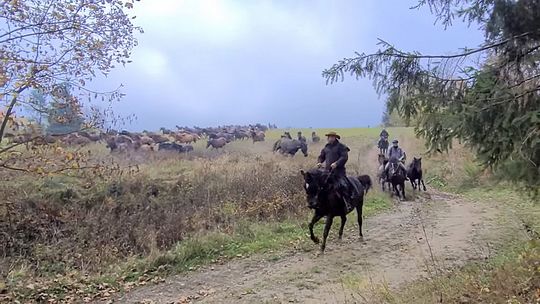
x=365 y=180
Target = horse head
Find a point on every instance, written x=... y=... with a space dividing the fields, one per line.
x=304 y=148
x=394 y=166
x=416 y=163
x=316 y=184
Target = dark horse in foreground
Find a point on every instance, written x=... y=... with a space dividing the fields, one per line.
x=414 y=173
x=322 y=196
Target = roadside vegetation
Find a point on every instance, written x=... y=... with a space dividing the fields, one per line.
x=72 y=236
x=511 y=274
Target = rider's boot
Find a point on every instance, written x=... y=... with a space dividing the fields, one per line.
x=346 y=195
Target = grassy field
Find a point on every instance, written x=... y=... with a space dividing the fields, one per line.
x=75 y=235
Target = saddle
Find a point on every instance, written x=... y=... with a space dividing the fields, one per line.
x=352 y=186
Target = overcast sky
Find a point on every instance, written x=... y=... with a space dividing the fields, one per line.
x=213 y=62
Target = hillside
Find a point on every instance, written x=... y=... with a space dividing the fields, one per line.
x=231 y=225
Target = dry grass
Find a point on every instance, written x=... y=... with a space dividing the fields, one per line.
x=511 y=275
x=142 y=218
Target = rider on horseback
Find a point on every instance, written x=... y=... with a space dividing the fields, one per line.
x=382 y=144
x=301 y=137
x=335 y=156
x=395 y=152
x=384 y=134
x=287 y=134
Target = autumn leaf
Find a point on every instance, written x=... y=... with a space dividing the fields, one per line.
x=70 y=156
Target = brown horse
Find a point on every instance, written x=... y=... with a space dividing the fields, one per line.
x=185 y=138
x=257 y=136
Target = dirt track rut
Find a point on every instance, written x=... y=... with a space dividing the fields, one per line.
x=394 y=251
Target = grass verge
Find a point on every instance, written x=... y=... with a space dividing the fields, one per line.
x=512 y=275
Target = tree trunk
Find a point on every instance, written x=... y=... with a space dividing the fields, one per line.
x=9 y=111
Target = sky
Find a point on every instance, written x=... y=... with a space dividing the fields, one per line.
x=217 y=62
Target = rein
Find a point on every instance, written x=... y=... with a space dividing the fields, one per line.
x=328 y=177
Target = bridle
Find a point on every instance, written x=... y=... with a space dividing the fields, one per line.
x=328 y=177
x=321 y=187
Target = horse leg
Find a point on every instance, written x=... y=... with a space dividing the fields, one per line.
x=413 y=184
x=314 y=220
x=422 y=181
x=403 y=190
x=329 y=220
x=359 y=215
x=343 y=221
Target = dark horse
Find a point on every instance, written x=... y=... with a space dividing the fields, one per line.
x=414 y=173
x=383 y=145
x=290 y=146
x=396 y=177
x=322 y=196
x=381 y=176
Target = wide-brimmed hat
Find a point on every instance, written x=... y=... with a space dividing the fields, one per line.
x=334 y=134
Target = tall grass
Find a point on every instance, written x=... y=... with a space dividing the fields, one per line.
x=175 y=211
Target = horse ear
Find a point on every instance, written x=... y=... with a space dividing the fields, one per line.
x=420 y=158
x=302 y=172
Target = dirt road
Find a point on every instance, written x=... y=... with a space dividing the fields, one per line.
x=416 y=239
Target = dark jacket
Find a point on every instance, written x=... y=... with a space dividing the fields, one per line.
x=395 y=152
x=335 y=153
x=302 y=138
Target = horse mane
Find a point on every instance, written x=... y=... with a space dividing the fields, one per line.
x=319 y=174
x=316 y=172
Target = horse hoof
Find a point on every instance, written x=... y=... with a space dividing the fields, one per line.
x=315 y=240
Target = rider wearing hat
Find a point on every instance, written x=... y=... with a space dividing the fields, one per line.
x=335 y=155
x=396 y=152
x=384 y=134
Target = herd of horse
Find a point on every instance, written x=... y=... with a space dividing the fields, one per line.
x=322 y=192
x=32 y=136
